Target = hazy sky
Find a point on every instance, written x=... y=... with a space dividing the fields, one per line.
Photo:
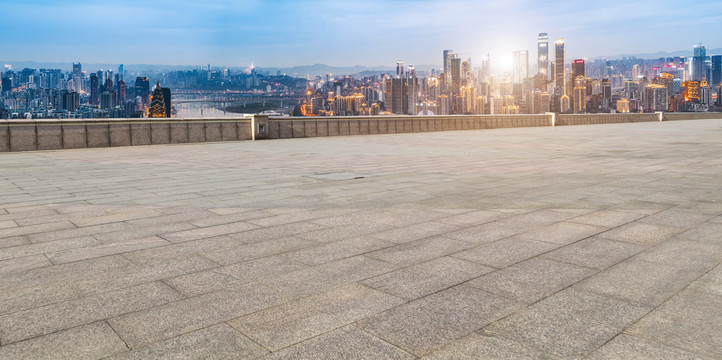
x=345 y=32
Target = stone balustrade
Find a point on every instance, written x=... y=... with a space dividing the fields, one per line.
x=28 y=135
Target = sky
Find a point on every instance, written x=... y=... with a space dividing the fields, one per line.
x=343 y=33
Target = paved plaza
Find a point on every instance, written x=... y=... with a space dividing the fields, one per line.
x=599 y=242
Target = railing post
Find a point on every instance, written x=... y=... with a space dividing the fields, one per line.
x=554 y=117
x=661 y=115
x=259 y=127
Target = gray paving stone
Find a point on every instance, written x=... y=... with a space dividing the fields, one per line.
x=570 y=324
x=89 y=252
x=642 y=282
x=631 y=347
x=414 y=232
x=240 y=253
x=181 y=250
x=263 y=268
x=562 y=233
x=51 y=246
x=337 y=250
x=707 y=232
x=426 y=278
x=21 y=264
x=486 y=233
x=426 y=324
x=607 y=218
x=677 y=218
x=420 y=250
x=8 y=224
x=710 y=283
x=92 y=341
x=202 y=282
x=79 y=232
x=531 y=280
x=277 y=232
x=278 y=327
x=207 y=232
x=595 y=252
x=347 y=342
x=217 y=342
x=142 y=328
x=505 y=252
x=13 y=241
x=486 y=346
x=641 y=233
x=473 y=218
x=684 y=253
x=320 y=278
x=35 y=229
x=38 y=321
x=690 y=321
x=344 y=232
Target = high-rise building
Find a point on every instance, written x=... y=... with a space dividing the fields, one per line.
x=94 y=90
x=698 y=66
x=448 y=55
x=578 y=68
x=485 y=69
x=167 y=101
x=121 y=92
x=636 y=72
x=142 y=88
x=580 y=100
x=543 y=54
x=157 y=103
x=400 y=68
x=716 y=71
x=77 y=77
x=455 y=75
x=121 y=72
x=559 y=66
x=413 y=89
x=520 y=68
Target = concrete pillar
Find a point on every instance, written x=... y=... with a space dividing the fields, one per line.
x=553 y=117
x=259 y=127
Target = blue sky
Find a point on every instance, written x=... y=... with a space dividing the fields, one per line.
x=371 y=32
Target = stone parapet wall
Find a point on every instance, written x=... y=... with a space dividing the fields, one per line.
x=28 y=135
x=589 y=119
x=296 y=127
x=691 y=116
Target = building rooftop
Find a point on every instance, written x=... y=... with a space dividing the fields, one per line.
x=559 y=242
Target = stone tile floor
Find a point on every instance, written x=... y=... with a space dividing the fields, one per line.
x=600 y=241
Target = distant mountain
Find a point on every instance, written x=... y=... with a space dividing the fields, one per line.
x=660 y=54
x=302 y=71
x=323 y=69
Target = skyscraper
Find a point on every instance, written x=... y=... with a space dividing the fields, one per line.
x=485 y=69
x=543 y=54
x=400 y=68
x=77 y=77
x=448 y=55
x=578 y=68
x=716 y=71
x=520 y=69
x=94 y=90
x=699 y=64
x=120 y=72
x=559 y=66
x=142 y=88
x=455 y=73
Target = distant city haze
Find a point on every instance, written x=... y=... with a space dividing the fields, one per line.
x=343 y=33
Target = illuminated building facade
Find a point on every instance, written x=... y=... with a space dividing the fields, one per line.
x=559 y=66
x=543 y=55
x=691 y=90
x=623 y=105
x=520 y=68
x=157 y=103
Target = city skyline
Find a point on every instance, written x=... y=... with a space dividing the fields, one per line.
x=288 y=34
